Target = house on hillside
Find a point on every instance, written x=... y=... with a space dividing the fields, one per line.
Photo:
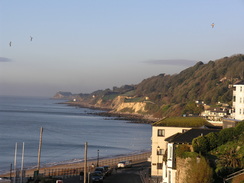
x=238 y=106
x=215 y=114
x=166 y=128
x=173 y=171
x=238 y=101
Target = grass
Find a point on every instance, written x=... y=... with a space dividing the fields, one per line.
x=182 y=122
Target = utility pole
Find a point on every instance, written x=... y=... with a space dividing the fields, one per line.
x=22 y=163
x=98 y=158
x=15 y=162
x=10 y=173
x=85 y=162
x=39 y=150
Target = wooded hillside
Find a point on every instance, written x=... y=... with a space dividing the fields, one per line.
x=173 y=95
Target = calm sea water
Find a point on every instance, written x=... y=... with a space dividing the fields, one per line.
x=66 y=129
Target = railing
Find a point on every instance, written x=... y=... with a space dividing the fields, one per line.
x=79 y=167
x=70 y=170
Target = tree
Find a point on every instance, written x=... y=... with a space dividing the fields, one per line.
x=212 y=139
x=182 y=149
x=192 y=108
x=239 y=128
x=225 y=135
x=200 y=144
x=199 y=171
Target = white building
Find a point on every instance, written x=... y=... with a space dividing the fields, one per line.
x=238 y=101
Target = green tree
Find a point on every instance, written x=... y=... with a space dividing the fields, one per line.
x=200 y=144
x=212 y=139
x=182 y=149
x=192 y=108
x=239 y=128
x=225 y=135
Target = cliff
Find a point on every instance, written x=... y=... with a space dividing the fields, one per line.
x=62 y=95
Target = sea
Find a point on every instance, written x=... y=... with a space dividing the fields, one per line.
x=66 y=129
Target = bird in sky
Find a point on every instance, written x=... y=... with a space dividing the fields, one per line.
x=10 y=43
x=31 y=38
x=212 y=25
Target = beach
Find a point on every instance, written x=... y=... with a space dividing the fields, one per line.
x=73 y=169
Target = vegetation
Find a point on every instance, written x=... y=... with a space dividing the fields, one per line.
x=192 y=108
x=175 y=95
x=213 y=140
x=200 y=144
x=208 y=82
x=199 y=171
x=182 y=122
x=182 y=151
x=135 y=99
x=225 y=149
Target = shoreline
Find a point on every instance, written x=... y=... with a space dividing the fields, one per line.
x=74 y=167
x=130 y=117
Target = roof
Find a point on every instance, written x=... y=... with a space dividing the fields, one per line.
x=183 y=122
x=189 y=135
x=239 y=83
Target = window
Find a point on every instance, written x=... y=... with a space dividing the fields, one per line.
x=159 y=165
x=234 y=98
x=241 y=88
x=169 y=176
x=170 y=152
x=161 y=132
x=240 y=100
x=240 y=111
x=160 y=152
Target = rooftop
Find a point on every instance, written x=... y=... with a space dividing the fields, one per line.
x=183 y=122
x=239 y=83
x=189 y=135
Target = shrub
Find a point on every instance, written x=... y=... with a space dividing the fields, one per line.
x=225 y=135
x=212 y=140
x=199 y=171
x=181 y=150
x=200 y=144
x=239 y=128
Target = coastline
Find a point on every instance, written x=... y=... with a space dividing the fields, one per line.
x=130 y=117
x=73 y=163
x=76 y=168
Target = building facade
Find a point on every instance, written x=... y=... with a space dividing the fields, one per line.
x=238 y=101
x=159 y=146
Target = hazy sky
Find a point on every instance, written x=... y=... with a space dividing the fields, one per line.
x=85 y=45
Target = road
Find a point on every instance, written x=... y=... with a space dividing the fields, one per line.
x=125 y=175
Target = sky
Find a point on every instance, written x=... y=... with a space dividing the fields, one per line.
x=82 y=46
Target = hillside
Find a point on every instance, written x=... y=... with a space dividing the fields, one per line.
x=172 y=95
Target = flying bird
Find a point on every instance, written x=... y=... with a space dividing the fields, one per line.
x=31 y=38
x=10 y=43
x=212 y=25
